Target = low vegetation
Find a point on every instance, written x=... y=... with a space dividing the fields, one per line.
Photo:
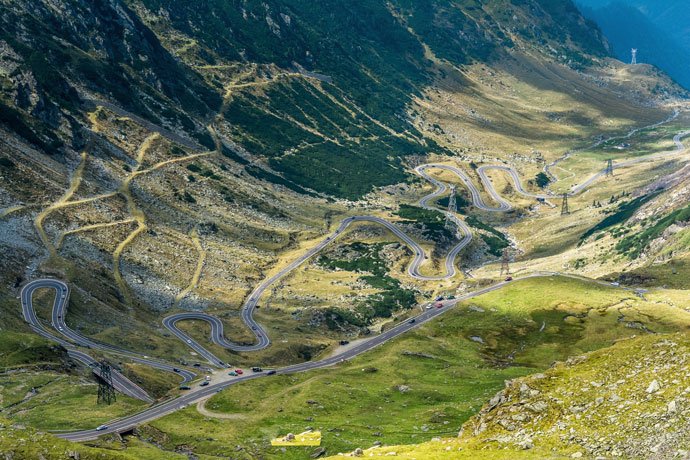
x=428 y=382
x=621 y=214
x=367 y=260
x=494 y=239
x=432 y=222
x=633 y=245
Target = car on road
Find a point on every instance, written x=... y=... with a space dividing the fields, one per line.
x=197 y=365
x=439 y=305
x=204 y=383
x=239 y=371
x=257 y=369
x=271 y=372
x=615 y=283
x=412 y=321
x=101 y=427
x=175 y=369
x=233 y=374
x=509 y=278
x=185 y=387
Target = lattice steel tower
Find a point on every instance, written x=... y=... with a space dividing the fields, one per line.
x=106 y=391
x=452 y=209
x=505 y=262
x=565 y=209
x=609 y=167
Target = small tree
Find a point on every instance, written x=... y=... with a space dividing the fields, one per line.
x=542 y=180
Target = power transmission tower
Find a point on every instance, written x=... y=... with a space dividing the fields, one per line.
x=106 y=391
x=505 y=262
x=452 y=209
x=634 y=56
x=609 y=167
x=565 y=209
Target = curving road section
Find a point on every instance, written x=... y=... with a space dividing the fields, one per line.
x=59 y=310
x=249 y=307
x=247 y=311
x=128 y=423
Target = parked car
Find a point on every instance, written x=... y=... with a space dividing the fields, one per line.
x=439 y=305
x=344 y=342
x=439 y=298
x=232 y=373
x=510 y=278
x=256 y=369
x=615 y=283
x=101 y=427
x=239 y=371
x=185 y=387
x=204 y=383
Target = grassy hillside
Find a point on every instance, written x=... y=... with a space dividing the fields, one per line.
x=426 y=383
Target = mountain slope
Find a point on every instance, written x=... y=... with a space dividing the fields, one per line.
x=656 y=29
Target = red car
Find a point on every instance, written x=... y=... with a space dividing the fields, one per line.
x=239 y=371
x=439 y=304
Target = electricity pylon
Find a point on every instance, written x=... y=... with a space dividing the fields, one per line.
x=609 y=167
x=452 y=209
x=565 y=209
x=505 y=262
x=106 y=391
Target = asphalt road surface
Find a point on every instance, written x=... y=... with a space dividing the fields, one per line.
x=72 y=340
x=77 y=344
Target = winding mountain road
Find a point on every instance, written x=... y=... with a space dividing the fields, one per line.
x=59 y=310
x=247 y=312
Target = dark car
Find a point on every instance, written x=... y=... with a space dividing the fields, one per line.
x=175 y=369
x=185 y=387
x=204 y=383
x=412 y=321
x=510 y=278
x=256 y=369
x=344 y=342
x=270 y=372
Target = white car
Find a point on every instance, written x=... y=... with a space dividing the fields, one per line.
x=101 y=427
x=189 y=341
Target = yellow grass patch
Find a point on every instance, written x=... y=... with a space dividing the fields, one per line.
x=308 y=438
